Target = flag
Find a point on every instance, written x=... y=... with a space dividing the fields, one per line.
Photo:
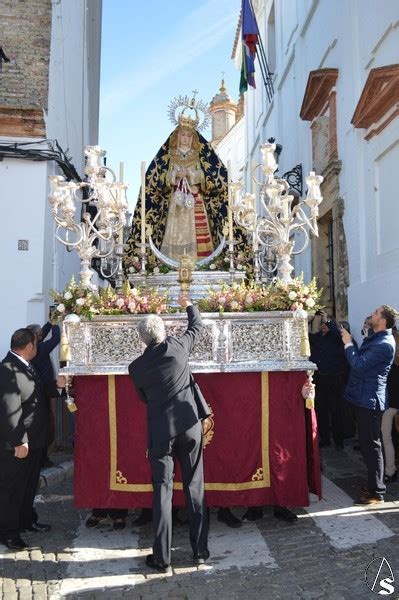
x=250 y=39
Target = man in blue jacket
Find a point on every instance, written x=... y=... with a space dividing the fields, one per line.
x=366 y=390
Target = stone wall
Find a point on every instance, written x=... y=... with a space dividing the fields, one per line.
x=25 y=33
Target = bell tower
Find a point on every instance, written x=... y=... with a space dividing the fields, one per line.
x=223 y=113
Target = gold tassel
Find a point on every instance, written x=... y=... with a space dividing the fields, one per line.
x=65 y=351
x=71 y=406
x=69 y=401
x=309 y=401
x=304 y=345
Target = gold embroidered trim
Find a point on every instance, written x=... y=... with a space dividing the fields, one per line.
x=258 y=475
x=221 y=487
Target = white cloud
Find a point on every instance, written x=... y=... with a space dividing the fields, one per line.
x=194 y=35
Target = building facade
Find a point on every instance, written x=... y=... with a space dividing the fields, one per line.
x=49 y=102
x=334 y=109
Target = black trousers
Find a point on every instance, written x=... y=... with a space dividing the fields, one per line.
x=187 y=448
x=328 y=404
x=369 y=431
x=19 y=478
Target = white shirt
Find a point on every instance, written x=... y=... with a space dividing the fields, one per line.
x=21 y=358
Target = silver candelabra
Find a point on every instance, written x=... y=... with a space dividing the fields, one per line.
x=282 y=218
x=102 y=225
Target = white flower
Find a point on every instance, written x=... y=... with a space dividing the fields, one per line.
x=248 y=299
x=310 y=302
x=132 y=306
x=222 y=300
x=240 y=267
x=292 y=295
x=132 y=270
x=234 y=305
x=212 y=266
x=226 y=259
x=156 y=271
x=61 y=308
x=305 y=290
x=120 y=302
x=81 y=301
x=67 y=295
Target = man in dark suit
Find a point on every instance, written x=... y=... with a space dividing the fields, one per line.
x=175 y=407
x=23 y=435
x=44 y=368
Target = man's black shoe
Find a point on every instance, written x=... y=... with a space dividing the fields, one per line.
x=93 y=521
x=14 y=543
x=226 y=516
x=283 y=513
x=201 y=557
x=253 y=513
x=339 y=446
x=144 y=518
x=161 y=568
x=38 y=527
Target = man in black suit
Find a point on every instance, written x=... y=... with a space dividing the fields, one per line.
x=175 y=407
x=44 y=368
x=23 y=435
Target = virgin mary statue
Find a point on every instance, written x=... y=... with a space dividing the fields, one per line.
x=186 y=193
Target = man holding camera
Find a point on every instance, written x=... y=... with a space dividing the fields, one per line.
x=367 y=391
x=329 y=379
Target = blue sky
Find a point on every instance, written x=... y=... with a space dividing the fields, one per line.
x=151 y=52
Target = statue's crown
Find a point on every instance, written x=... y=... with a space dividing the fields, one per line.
x=178 y=112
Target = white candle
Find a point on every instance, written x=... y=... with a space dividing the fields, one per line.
x=253 y=166
x=121 y=175
x=229 y=208
x=143 y=202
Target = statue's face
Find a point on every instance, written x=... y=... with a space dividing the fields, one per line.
x=185 y=138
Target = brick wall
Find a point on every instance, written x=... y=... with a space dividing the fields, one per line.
x=25 y=31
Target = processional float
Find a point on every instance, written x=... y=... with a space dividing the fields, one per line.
x=239 y=354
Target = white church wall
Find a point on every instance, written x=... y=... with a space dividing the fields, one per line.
x=353 y=37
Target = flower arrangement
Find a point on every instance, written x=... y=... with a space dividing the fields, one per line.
x=154 y=266
x=249 y=297
x=79 y=300
x=222 y=263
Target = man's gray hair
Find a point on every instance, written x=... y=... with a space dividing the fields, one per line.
x=151 y=330
x=35 y=328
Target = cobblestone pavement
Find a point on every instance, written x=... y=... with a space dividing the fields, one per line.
x=323 y=555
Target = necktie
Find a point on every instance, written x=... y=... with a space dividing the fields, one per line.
x=31 y=370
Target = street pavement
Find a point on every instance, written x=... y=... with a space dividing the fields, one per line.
x=324 y=554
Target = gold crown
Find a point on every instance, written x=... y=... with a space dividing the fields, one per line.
x=188 y=121
x=181 y=104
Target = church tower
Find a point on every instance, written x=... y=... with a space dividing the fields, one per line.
x=224 y=114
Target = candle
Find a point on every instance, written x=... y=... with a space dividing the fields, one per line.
x=230 y=211
x=253 y=170
x=120 y=197
x=143 y=202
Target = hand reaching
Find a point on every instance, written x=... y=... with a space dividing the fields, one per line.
x=184 y=301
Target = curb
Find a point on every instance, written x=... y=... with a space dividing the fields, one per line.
x=57 y=474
